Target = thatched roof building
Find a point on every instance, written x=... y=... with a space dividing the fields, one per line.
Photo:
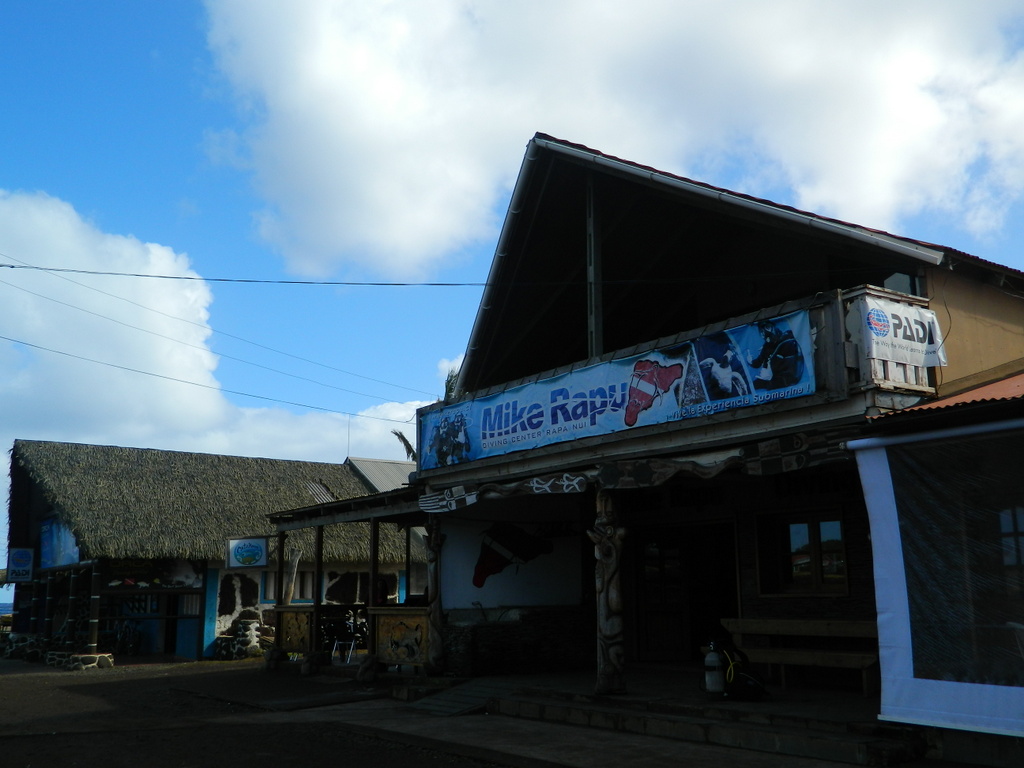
x=144 y=503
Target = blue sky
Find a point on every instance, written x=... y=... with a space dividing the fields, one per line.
x=353 y=141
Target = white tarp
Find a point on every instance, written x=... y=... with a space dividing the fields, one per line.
x=945 y=512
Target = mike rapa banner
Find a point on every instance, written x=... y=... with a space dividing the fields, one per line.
x=745 y=366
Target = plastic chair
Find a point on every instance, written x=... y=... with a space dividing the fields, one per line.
x=338 y=643
x=342 y=639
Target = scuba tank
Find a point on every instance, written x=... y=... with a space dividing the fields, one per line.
x=714 y=671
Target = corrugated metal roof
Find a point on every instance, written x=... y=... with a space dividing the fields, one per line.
x=383 y=474
x=1011 y=388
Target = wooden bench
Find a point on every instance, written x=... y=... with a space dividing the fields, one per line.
x=865 y=661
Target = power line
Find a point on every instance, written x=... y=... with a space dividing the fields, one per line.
x=26 y=265
x=350 y=283
x=196 y=383
x=688 y=278
x=198 y=346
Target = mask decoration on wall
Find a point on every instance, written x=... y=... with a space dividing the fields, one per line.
x=505 y=545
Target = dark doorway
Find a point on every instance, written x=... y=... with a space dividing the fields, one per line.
x=685 y=581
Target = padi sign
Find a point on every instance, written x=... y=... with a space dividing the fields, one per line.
x=745 y=366
x=20 y=563
x=902 y=333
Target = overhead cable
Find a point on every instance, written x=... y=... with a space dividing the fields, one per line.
x=198 y=384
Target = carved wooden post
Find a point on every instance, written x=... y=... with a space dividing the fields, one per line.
x=611 y=651
x=435 y=642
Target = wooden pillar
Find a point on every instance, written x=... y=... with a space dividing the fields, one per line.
x=92 y=645
x=200 y=649
x=48 y=603
x=611 y=650
x=282 y=539
x=371 y=634
x=69 y=622
x=318 y=586
x=435 y=641
x=38 y=606
x=595 y=304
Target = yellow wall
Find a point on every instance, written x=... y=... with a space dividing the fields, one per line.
x=983 y=329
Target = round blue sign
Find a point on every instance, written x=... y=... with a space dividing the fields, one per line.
x=21 y=558
x=248 y=553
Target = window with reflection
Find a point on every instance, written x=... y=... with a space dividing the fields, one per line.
x=801 y=553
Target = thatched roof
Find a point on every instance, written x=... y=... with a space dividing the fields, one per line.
x=144 y=503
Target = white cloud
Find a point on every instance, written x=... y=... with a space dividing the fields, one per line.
x=384 y=135
x=445 y=366
x=69 y=324
x=314 y=436
x=73 y=352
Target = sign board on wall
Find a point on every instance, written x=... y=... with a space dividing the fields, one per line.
x=250 y=552
x=902 y=333
x=745 y=366
x=19 y=564
x=57 y=544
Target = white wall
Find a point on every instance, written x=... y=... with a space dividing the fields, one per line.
x=546 y=578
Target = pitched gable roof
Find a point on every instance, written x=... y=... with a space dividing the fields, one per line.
x=132 y=502
x=669 y=254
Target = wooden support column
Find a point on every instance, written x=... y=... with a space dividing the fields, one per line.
x=69 y=622
x=282 y=539
x=435 y=641
x=318 y=586
x=611 y=650
x=48 y=604
x=93 y=642
x=375 y=598
x=595 y=303
x=38 y=606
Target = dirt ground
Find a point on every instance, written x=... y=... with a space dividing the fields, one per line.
x=173 y=715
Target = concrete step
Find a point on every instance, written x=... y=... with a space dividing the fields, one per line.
x=468 y=698
x=740 y=712
x=824 y=741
